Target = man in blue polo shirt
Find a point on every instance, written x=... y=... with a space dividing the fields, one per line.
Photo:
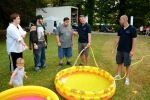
x=126 y=41
x=84 y=40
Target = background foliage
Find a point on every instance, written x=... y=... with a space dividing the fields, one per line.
x=98 y=11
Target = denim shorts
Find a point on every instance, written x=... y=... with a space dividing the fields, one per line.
x=123 y=57
x=67 y=52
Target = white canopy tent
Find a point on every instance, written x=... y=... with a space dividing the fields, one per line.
x=49 y=23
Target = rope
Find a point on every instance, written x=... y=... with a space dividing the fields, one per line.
x=76 y=60
x=101 y=65
x=94 y=57
x=132 y=65
x=142 y=43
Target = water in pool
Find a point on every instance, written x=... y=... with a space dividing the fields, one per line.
x=86 y=82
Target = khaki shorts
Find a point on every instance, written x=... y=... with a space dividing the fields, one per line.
x=81 y=46
x=17 y=85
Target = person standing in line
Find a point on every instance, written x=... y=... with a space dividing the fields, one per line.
x=147 y=31
x=141 y=30
x=37 y=37
x=84 y=40
x=144 y=30
x=126 y=41
x=64 y=39
x=14 y=40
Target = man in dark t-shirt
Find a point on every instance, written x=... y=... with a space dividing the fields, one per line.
x=84 y=40
x=125 y=41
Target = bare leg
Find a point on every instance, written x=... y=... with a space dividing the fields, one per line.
x=87 y=60
x=127 y=71
x=68 y=59
x=119 y=69
x=61 y=60
x=82 y=59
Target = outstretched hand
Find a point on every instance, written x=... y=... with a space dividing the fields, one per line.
x=10 y=83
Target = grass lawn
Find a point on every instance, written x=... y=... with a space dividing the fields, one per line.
x=102 y=45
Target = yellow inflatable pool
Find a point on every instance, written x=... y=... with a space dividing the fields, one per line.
x=85 y=83
x=36 y=91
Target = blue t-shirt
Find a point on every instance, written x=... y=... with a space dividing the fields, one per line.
x=83 y=33
x=126 y=35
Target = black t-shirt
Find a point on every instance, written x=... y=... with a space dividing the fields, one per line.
x=83 y=33
x=126 y=35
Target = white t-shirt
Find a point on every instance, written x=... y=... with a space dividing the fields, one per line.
x=13 y=36
x=40 y=32
x=141 y=28
x=21 y=30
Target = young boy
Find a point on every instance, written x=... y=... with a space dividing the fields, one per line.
x=17 y=76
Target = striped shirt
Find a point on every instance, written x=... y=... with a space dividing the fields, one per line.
x=13 y=36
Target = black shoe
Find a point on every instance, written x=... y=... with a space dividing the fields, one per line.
x=69 y=63
x=60 y=65
x=80 y=64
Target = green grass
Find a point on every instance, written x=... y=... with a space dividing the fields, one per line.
x=102 y=45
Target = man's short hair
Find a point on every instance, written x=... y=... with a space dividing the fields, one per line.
x=125 y=17
x=39 y=17
x=82 y=16
x=13 y=16
x=66 y=18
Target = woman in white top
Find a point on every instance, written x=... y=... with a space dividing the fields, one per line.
x=14 y=40
x=141 y=29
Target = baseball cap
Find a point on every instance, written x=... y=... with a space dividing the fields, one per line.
x=39 y=17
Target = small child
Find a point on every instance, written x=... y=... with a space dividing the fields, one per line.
x=17 y=76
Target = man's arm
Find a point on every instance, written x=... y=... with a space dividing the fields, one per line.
x=33 y=37
x=74 y=32
x=133 y=46
x=23 y=33
x=58 y=41
x=25 y=46
x=116 y=44
x=72 y=39
x=57 y=36
x=89 y=40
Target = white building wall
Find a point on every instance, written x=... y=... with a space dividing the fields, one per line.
x=59 y=12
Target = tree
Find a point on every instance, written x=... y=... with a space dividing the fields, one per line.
x=137 y=8
x=105 y=11
x=90 y=10
x=85 y=7
x=26 y=9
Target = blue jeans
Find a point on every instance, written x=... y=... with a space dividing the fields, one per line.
x=39 y=56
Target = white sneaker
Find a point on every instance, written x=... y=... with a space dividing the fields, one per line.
x=117 y=77
x=127 y=81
